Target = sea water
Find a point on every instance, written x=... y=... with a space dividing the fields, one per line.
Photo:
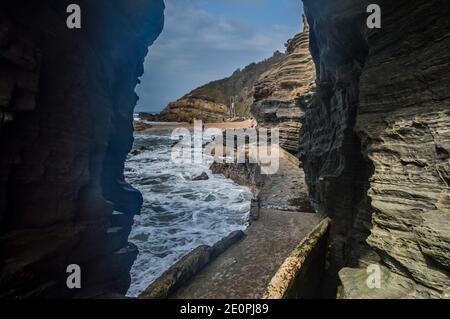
x=178 y=214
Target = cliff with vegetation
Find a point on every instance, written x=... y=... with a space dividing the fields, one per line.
x=193 y=107
x=66 y=112
x=280 y=92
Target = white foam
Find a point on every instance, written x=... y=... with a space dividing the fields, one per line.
x=178 y=214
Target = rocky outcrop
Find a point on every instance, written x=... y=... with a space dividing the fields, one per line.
x=68 y=97
x=278 y=223
x=189 y=108
x=211 y=102
x=302 y=271
x=282 y=90
x=188 y=266
x=375 y=142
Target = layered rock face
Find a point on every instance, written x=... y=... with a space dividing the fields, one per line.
x=195 y=107
x=281 y=91
x=375 y=143
x=69 y=96
x=211 y=102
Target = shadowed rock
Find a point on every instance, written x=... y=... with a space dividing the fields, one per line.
x=70 y=93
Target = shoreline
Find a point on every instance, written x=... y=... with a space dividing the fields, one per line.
x=245 y=268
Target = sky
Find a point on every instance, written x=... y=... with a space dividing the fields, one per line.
x=207 y=40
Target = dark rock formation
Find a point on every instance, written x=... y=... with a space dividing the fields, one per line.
x=189 y=108
x=211 y=102
x=68 y=96
x=202 y=177
x=283 y=89
x=375 y=142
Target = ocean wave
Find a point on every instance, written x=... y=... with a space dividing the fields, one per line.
x=178 y=214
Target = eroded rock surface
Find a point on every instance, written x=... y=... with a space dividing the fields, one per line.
x=69 y=96
x=189 y=108
x=392 y=286
x=375 y=141
x=281 y=91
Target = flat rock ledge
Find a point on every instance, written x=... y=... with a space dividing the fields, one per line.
x=290 y=279
x=276 y=227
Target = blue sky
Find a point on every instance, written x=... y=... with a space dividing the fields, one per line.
x=206 y=40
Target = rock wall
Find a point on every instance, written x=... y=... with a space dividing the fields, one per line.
x=375 y=143
x=281 y=91
x=68 y=98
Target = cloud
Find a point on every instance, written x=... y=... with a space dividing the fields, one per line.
x=197 y=46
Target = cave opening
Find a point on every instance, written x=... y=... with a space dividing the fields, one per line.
x=200 y=43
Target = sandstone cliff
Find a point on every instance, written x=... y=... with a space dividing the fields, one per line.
x=375 y=143
x=195 y=107
x=68 y=96
x=211 y=102
x=282 y=89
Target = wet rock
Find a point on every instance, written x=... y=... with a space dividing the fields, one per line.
x=193 y=107
x=175 y=143
x=202 y=177
x=211 y=102
x=226 y=242
x=210 y=198
x=300 y=274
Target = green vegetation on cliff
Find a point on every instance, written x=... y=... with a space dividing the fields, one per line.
x=239 y=85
